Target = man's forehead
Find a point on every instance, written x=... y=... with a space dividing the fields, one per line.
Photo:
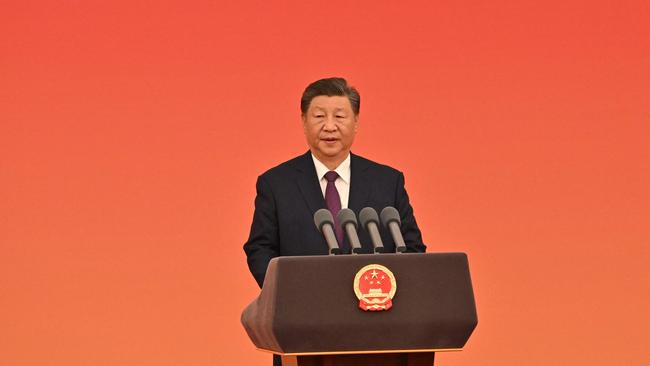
x=333 y=102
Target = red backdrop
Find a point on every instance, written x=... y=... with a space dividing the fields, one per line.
x=132 y=132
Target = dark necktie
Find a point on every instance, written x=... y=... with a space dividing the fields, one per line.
x=333 y=201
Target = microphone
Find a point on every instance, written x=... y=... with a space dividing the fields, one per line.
x=390 y=219
x=325 y=224
x=370 y=220
x=348 y=221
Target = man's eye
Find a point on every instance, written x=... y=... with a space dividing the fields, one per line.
x=340 y=116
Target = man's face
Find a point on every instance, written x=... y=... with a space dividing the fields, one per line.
x=330 y=126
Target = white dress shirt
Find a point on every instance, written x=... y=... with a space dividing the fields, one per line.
x=342 y=183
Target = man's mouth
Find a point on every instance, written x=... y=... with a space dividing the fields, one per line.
x=329 y=139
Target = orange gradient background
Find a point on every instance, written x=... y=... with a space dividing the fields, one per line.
x=132 y=133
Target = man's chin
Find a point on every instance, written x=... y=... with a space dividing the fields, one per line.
x=331 y=152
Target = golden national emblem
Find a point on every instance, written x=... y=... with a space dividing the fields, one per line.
x=375 y=287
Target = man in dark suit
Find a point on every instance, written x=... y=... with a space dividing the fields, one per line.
x=327 y=176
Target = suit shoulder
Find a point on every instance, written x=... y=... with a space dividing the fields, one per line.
x=375 y=167
x=283 y=169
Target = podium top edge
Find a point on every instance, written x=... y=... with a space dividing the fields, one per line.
x=366 y=256
x=361 y=352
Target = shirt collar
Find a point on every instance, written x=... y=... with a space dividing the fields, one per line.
x=343 y=169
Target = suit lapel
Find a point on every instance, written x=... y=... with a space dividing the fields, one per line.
x=308 y=183
x=310 y=187
x=359 y=185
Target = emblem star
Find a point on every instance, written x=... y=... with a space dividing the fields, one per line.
x=374 y=273
x=378 y=282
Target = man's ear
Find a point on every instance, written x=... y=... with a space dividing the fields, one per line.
x=304 y=123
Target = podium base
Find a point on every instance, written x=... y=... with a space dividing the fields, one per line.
x=381 y=359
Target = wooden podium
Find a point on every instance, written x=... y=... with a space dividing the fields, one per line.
x=308 y=313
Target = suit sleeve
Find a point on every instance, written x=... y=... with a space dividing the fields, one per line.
x=409 y=227
x=263 y=241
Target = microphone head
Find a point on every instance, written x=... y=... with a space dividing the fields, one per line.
x=388 y=215
x=346 y=216
x=368 y=214
x=322 y=217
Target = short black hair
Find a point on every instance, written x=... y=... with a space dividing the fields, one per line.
x=330 y=87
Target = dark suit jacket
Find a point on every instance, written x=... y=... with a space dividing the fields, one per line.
x=289 y=194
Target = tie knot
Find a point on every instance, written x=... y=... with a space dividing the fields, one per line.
x=331 y=176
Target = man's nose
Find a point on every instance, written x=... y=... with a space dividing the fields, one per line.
x=330 y=124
